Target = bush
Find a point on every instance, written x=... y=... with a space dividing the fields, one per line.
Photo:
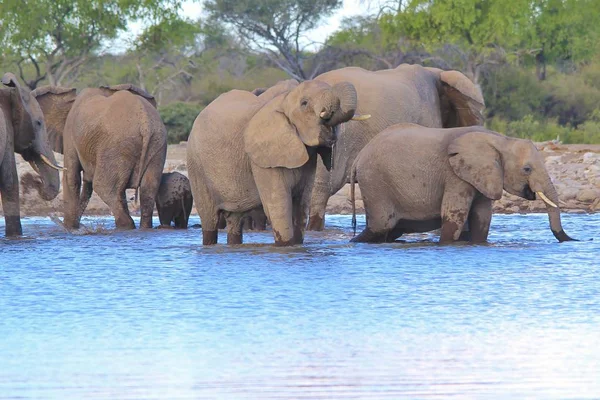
x=179 y=117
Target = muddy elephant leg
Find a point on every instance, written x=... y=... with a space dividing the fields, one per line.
x=182 y=218
x=72 y=190
x=87 y=189
x=222 y=223
x=165 y=216
x=480 y=219
x=111 y=189
x=456 y=205
x=148 y=190
x=381 y=220
x=234 y=228
x=318 y=204
x=9 y=191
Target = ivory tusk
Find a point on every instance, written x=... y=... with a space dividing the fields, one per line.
x=49 y=163
x=363 y=117
x=546 y=200
x=323 y=114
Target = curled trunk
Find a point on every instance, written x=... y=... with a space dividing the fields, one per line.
x=346 y=93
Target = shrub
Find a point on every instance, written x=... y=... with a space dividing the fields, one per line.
x=179 y=117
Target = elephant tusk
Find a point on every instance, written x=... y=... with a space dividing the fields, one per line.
x=546 y=200
x=50 y=164
x=363 y=117
x=323 y=114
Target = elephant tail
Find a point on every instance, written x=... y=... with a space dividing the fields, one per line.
x=352 y=197
x=142 y=167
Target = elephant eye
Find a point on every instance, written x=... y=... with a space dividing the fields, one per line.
x=527 y=169
x=304 y=102
x=38 y=122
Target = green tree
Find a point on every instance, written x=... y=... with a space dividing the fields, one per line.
x=52 y=39
x=276 y=27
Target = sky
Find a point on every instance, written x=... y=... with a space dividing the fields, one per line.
x=193 y=10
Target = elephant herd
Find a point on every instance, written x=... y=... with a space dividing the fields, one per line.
x=411 y=137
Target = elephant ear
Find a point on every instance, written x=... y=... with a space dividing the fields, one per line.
x=475 y=160
x=133 y=89
x=55 y=102
x=272 y=141
x=461 y=100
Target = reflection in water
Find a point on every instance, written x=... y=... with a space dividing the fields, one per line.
x=154 y=315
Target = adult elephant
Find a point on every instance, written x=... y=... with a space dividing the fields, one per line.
x=23 y=130
x=408 y=93
x=417 y=179
x=115 y=137
x=247 y=151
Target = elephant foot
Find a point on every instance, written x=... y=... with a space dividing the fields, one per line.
x=209 y=237
x=13 y=225
x=162 y=226
x=316 y=223
x=234 y=238
x=368 y=236
x=279 y=242
x=465 y=236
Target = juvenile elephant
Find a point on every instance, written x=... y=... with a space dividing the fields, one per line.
x=174 y=200
x=417 y=179
x=115 y=137
x=245 y=151
x=409 y=93
x=23 y=130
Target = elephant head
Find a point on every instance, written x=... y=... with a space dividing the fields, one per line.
x=492 y=163
x=30 y=135
x=305 y=116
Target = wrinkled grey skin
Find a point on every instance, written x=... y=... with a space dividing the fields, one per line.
x=22 y=130
x=113 y=139
x=174 y=200
x=408 y=93
x=246 y=152
x=417 y=179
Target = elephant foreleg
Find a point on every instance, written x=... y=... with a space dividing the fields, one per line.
x=318 y=204
x=455 y=211
x=9 y=191
x=480 y=219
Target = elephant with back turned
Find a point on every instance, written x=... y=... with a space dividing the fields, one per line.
x=408 y=93
x=23 y=130
x=247 y=151
x=417 y=179
x=115 y=138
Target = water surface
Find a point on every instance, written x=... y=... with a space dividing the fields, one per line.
x=154 y=315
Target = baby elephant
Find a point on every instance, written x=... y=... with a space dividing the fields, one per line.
x=174 y=200
x=417 y=179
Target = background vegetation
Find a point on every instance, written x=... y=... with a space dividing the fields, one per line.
x=537 y=61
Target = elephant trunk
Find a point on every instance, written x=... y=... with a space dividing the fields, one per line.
x=42 y=160
x=345 y=93
x=547 y=192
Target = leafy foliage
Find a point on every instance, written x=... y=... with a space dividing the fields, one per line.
x=178 y=118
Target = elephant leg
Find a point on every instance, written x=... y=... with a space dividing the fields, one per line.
x=455 y=211
x=381 y=221
x=9 y=191
x=148 y=190
x=86 y=193
x=480 y=219
x=222 y=224
x=234 y=228
x=180 y=220
x=259 y=220
x=111 y=189
x=318 y=204
x=72 y=190
x=165 y=215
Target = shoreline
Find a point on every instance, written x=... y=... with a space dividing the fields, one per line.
x=574 y=169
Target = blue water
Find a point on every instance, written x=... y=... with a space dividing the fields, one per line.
x=154 y=315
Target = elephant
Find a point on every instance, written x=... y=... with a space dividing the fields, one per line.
x=174 y=200
x=23 y=130
x=417 y=179
x=408 y=93
x=247 y=151
x=115 y=138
